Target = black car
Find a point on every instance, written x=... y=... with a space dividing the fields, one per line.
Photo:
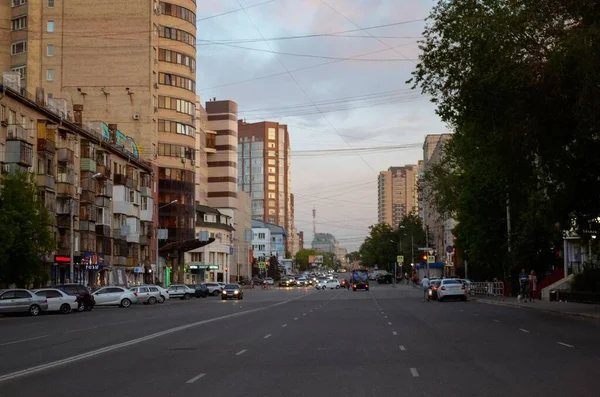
x=287 y=282
x=85 y=299
x=385 y=279
x=232 y=291
x=201 y=290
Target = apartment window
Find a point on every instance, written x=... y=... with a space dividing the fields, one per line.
x=176 y=127
x=272 y=162
x=169 y=150
x=18 y=47
x=271 y=145
x=272 y=195
x=50 y=50
x=16 y=3
x=22 y=70
x=271 y=133
x=50 y=3
x=177 y=34
x=272 y=178
x=50 y=74
x=177 y=57
x=272 y=170
x=144 y=203
x=177 y=81
x=179 y=105
x=271 y=153
x=272 y=186
x=12 y=117
x=19 y=23
x=178 y=12
x=2 y=113
x=50 y=26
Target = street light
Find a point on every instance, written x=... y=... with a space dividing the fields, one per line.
x=72 y=216
x=157 y=240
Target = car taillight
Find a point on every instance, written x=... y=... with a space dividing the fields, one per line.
x=443 y=288
x=135 y=293
x=463 y=287
x=435 y=288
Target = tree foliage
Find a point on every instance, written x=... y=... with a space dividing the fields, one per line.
x=25 y=232
x=302 y=258
x=518 y=83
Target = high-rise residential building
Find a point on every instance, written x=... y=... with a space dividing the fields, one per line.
x=264 y=171
x=301 y=240
x=397 y=194
x=131 y=64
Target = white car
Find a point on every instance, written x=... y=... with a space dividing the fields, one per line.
x=114 y=296
x=328 y=284
x=181 y=291
x=451 y=288
x=58 y=301
x=270 y=281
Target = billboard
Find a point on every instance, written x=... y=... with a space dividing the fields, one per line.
x=315 y=259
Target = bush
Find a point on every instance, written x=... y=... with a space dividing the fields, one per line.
x=588 y=280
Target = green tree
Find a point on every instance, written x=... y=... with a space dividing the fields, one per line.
x=25 y=232
x=410 y=235
x=353 y=256
x=518 y=82
x=302 y=258
x=380 y=247
x=273 y=268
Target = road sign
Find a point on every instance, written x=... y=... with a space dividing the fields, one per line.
x=431 y=259
x=400 y=259
x=449 y=249
x=262 y=265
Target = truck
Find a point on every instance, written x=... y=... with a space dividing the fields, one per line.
x=360 y=280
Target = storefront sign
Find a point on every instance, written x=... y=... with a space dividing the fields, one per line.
x=66 y=259
x=139 y=270
x=92 y=267
x=203 y=267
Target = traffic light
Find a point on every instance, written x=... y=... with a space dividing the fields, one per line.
x=424 y=257
x=226 y=268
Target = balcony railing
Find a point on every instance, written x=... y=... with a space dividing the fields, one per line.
x=16 y=132
x=46 y=181
x=45 y=145
x=120 y=179
x=64 y=155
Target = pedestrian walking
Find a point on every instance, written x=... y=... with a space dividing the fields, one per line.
x=425 y=284
x=532 y=286
x=523 y=281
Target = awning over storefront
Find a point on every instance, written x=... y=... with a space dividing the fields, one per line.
x=184 y=246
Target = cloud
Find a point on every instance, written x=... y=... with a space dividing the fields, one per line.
x=342 y=188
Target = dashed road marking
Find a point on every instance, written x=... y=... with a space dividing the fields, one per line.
x=523 y=330
x=414 y=372
x=295 y=318
x=496 y=321
x=461 y=310
x=195 y=378
x=304 y=314
x=241 y=352
x=394 y=333
x=80 y=329
x=389 y=323
x=475 y=314
x=402 y=348
x=284 y=325
x=23 y=340
x=565 y=344
x=267 y=336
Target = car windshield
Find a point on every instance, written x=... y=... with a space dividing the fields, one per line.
x=232 y=286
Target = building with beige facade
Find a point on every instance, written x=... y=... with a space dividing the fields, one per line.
x=264 y=173
x=397 y=194
x=89 y=182
x=132 y=66
x=439 y=227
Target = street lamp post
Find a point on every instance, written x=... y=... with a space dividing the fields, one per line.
x=157 y=239
x=72 y=230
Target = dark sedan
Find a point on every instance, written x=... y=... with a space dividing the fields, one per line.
x=201 y=290
x=232 y=291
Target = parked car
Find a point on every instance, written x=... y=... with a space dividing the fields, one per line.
x=451 y=288
x=85 y=299
x=433 y=289
x=22 y=301
x=328 y=284
x=213 y=288
x=147 y=294
x=114 y=296
x=181 y=291
x=200 y=291
x=58 y=301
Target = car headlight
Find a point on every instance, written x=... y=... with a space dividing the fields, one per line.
x=223 y=292
x=236 y=292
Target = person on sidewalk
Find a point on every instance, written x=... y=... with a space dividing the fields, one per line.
x=425 y=284
x=532 y=286
x=523 y=281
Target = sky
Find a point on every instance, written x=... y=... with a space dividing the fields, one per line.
x=339 y=90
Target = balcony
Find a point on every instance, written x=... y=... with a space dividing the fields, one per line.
x=63 y=221
x=104 y=245
x=143 y=240
x=65 y=189
x=88 y=212
x=64 y=155
x=19 y=152
x=46 y=181
x=87 y=196
x=88 y=165
x=15 y=132
x=119 y=260
x=46 y=145
x=103 y=169
x=120 y=179
x=145 y=191
x=86 y=226
x=119 y=233
x=103 y=230
x=106 y=189
x=45 y=138
x=102 y=201
x=131 y=261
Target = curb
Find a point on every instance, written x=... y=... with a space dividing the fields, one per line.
x=585 y=316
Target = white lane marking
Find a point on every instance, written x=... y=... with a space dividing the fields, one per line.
x=475 y=314
x=523 y=330
x=284 y=325
x=267 y=336
x=195 y=378
x=106 y=349
x=565 y=344
x=414 y=372
x=496 y=321
x=394 y=333
x=23 y=340
x=80 y=329
x=402 y=348
x=310 y=311
x=304 y=314
x=389 y=323
x=241 y=352
x=384 y=316
x=129 y=321
x=461 y=310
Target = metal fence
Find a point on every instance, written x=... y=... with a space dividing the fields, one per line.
x=487 y=288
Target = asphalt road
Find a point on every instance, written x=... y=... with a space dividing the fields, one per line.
x=291 y=342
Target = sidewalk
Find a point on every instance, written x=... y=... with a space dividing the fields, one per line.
x=572 y=309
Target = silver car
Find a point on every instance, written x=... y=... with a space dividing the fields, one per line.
x=22 y=301
x=115 y=296
x=147 y=294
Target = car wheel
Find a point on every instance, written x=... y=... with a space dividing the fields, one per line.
x=186 y=297
x=216 y=293
x=241 y=297
x=161 y=299
x=223 y=298
x=64 y=308
x=80 y=307
x=152 y=300
x=34 y=310
x=125 y=303
x=337 y=287
x=440 y=299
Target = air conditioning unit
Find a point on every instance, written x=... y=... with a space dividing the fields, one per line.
x=183 y=160
x=155 y=85
x=193 y=162
x=155 y=109
x=4 y=123
x=79 y=190
x=157 y=9
x=6 y=168
x=136 y=116
x=30 y=169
